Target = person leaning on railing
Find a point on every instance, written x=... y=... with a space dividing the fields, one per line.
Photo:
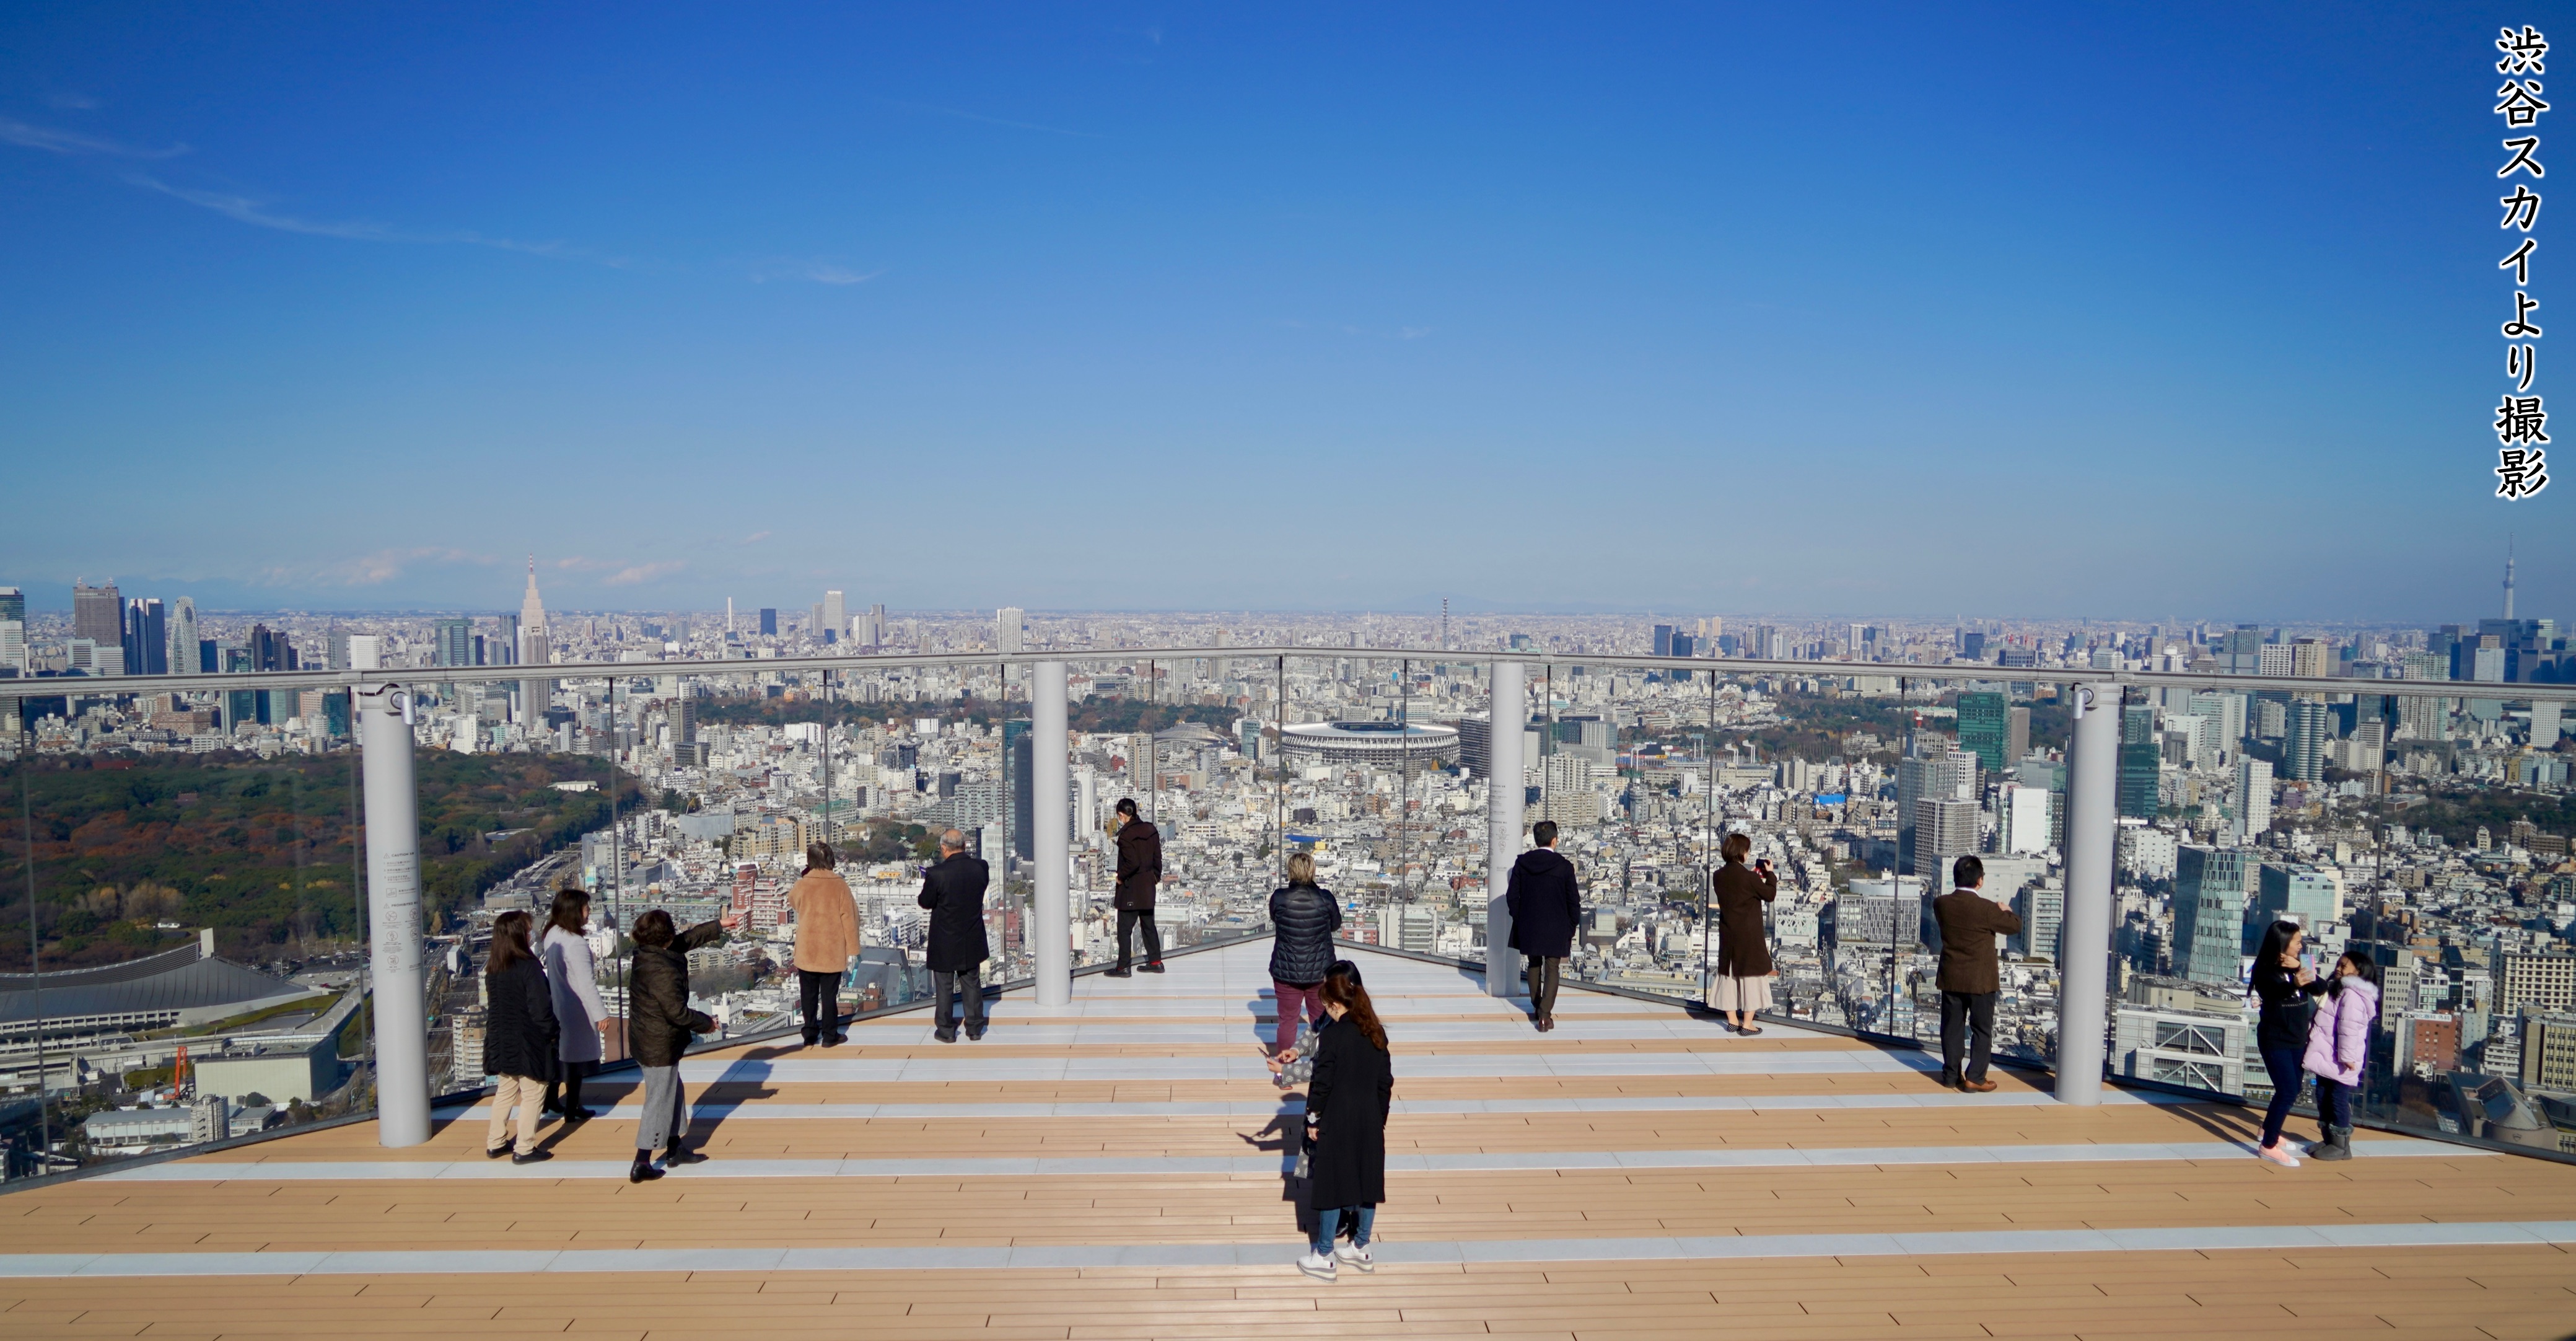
x=1743 y=981
x=1303 y=918
x=660 y=1029
x=518 y=1038
x=1970 y=976
x=827 y=939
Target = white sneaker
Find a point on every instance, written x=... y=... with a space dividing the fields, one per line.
x=1358 y=1257
x=1316 y=1265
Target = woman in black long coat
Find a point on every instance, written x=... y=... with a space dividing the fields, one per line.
x=1742 y=979
x=1346 y=1107
x=519 y=1038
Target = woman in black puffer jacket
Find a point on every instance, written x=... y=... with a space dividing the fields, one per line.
x=660 y=1028
x=1303 y=919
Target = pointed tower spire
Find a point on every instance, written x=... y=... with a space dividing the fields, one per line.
x=2508 y=575
x=532 y=611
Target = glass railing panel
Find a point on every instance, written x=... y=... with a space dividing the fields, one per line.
x=184 y=942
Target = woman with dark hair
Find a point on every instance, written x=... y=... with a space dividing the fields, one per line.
x=660 y=1031
x=1303 y=918
x=518 y=1038
x=2339 y=1049
x=575 y=978
x=1346 y=1108
x=2285 y=986
x=1742 y=981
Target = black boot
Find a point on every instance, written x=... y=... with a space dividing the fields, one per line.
x=2337 y=1145
x=643 y=1172
x=572 y=1109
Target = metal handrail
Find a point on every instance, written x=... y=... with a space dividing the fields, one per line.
x=1728 y=666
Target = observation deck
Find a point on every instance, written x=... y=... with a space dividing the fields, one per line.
x=1115 y=1169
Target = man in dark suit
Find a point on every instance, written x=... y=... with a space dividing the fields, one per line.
x=1969 y=976
x=1140 y=873
x=953 y=891
x=1546 y=908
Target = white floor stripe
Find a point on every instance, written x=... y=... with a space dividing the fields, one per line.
x=1709 y=1103
x=184 y=1171
x=964 y=1062
x=1278 y=1254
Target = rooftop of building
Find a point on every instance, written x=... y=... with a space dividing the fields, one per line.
x=1115 y=1169
x=187 y=978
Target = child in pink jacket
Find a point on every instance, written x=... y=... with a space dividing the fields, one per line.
x=2339 y=1048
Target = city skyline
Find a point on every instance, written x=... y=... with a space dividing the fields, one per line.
x=1651 y=312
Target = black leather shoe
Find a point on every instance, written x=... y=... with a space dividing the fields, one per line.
x=836 y=1040
x=811 y=1040
x=642 y=1172
x=496 y=1152
x=944 y=1035
x=677 y=1156
x=1155 y=967
x=974 y=1035
x=532 y=1157
x=1118 y=973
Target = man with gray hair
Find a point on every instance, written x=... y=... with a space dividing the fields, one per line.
x=953 y=891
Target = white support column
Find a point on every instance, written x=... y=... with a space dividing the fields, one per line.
x=1503 y=835
x=1050 y=788
x=393 y=915
x=2092 y=821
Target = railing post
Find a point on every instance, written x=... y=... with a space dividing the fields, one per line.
x=2092 y=820
x=1050 y=786
x=1503 y=820
x=393 y=915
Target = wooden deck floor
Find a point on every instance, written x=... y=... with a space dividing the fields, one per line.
x=1114 y=1171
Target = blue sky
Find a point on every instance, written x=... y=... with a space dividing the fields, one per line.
x=2121 y=311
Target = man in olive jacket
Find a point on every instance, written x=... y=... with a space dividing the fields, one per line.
x=953 y=891
x=1969 y=976
x=1140 y=873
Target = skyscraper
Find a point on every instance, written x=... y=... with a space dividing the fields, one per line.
x=1008 y=623
x=769 y=621
x=2303 y=750
x=836 y=617
x=453 y=642
x=2253 y=799
x=13 y=604
x=1940 y=777
x=147 y=638
x=1985 y=728
x=183 y=654
x=98 y=614
x=2140 y=754
x=1017 y=757
x=2209 y=913
x=2308 y=895
x=1944 y=831
x=535 y=649
x=1663 y=640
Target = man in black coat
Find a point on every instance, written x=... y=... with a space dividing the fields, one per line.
x=953 y=891
x=1140 y=872
x=1546 y=908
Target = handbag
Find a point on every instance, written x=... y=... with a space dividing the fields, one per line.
x=1305 y=1151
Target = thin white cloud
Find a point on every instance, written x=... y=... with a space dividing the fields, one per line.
x=809 y=271
x=244 y=209
x=936 y=110
x=72 y=142
x=755 y=537
x=367 y=570
x=642 y=572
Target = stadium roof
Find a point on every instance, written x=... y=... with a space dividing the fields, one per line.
x=187 y=978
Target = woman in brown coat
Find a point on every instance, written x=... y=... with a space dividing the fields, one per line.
x=1742 y=983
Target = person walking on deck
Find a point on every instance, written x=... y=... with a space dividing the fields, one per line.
x=1303 y=918
x=518 y=1038
x=2287 y=988
x=827 y=939
x=2339 y=1049
x=574 y=975
x=1140 y=874
x=1743 y=976
x=1347 y=1100
x=660 y=1030
x=1546 y=908
x=1969 y=976
x=953 y=891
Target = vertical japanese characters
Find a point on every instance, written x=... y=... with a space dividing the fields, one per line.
x=2522 y=419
